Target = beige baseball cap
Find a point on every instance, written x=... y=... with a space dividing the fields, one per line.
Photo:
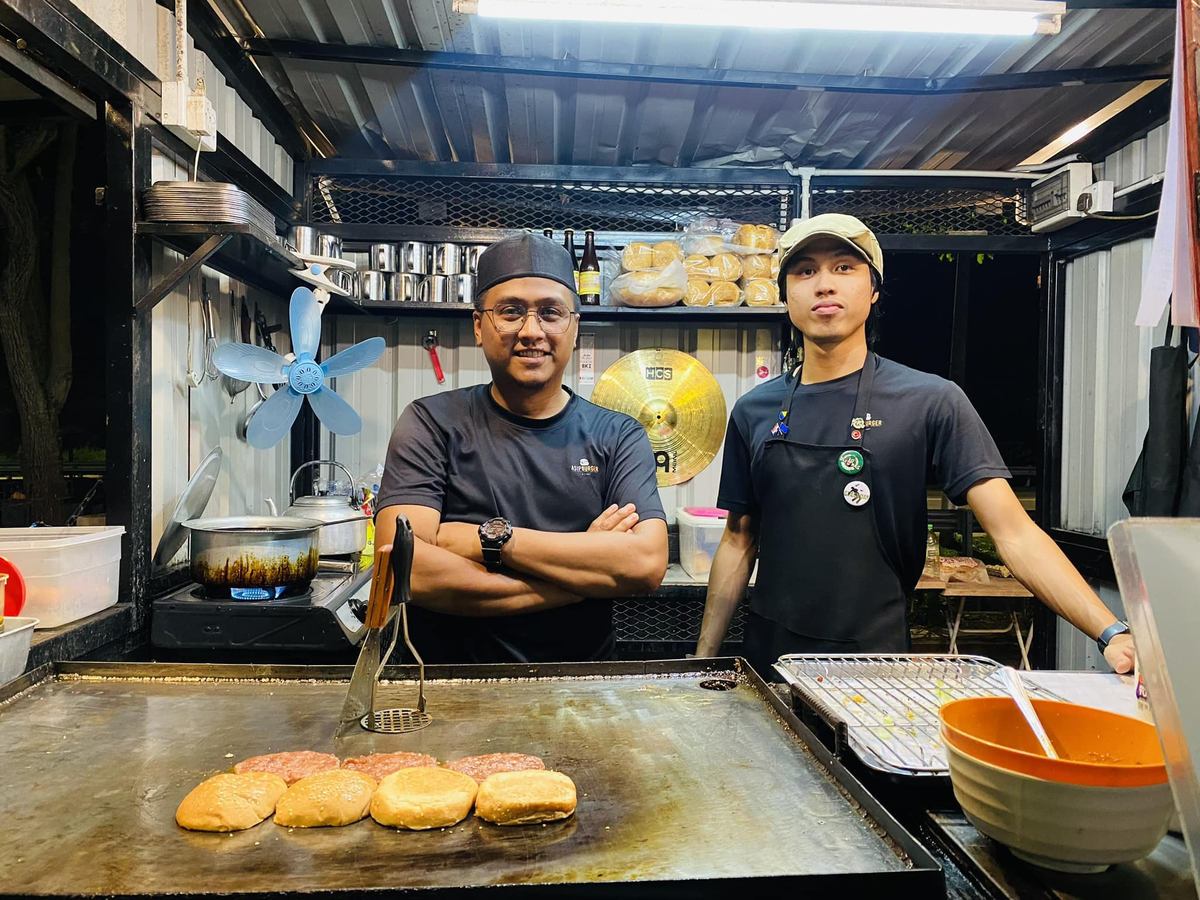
x=844 y=228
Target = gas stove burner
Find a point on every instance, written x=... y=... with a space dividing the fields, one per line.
x=280 y=594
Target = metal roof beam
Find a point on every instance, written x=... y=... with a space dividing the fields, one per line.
x=745 y=78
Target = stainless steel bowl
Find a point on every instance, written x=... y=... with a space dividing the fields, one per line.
x=433 y=289
x=412 y=257
x=460 y=288
x=329 y=245
x=447 y=259
x=303 y=239
x=374 y=286
x=404 y=287
x=383 y=258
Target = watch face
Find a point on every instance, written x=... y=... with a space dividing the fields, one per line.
x=494 y=529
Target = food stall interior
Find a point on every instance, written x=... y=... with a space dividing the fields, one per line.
x=370 y=152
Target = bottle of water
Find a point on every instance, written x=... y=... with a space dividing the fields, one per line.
x=933 y=557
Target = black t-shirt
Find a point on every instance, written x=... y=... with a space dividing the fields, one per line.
x=463 y=454
x=919 y=422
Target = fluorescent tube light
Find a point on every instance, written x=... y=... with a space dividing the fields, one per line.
x=990 y=17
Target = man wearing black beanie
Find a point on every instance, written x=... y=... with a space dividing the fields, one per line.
x=532 y=507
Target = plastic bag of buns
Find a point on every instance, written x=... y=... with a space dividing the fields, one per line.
x=722 y=267
x=760 y=238
x=696 y=292
x=665 y=253
x=637 y=256
x=724 y=293
x=760 y=292
x=650 y=287
x=758 y=266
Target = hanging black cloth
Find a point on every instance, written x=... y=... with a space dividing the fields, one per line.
x=1156 y=482
x=1189 y=494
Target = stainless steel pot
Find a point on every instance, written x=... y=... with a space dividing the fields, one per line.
x=472 y=254
x=460 y=288
x=447 y=259
x=303 y=239
x=343 y=523
x=413 y=257
x=329 y=245
x=433 y=289
x=383 y=258
x=240 y=552
x=374 y=286
x=403 y=287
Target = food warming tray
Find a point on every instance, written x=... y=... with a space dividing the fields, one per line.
x=683 y=788
x=888 y=705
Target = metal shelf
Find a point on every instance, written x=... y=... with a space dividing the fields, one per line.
x=241 y=251
x=764 y=314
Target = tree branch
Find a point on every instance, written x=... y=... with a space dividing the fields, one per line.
x=59 y=375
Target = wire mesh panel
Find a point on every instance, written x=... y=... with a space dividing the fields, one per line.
x=640 y=619
x=508 y=203
x=927 y=210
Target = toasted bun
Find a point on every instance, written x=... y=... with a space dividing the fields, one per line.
x=665 y=253
x=336 y=797
x=418 y=799
x=525 y=798
x=230 y=802
x=637 y=256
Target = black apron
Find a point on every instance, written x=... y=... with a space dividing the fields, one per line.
x=824 y=584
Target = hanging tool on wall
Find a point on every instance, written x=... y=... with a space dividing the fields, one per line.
x=430 y=343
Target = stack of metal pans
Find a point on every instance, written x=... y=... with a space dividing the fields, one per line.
x=204 y=201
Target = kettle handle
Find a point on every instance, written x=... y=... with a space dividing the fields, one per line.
x=322 y=462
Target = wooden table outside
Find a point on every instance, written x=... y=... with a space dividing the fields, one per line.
x=995 y=589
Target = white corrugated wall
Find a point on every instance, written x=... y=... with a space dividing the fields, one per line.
x=404 y=374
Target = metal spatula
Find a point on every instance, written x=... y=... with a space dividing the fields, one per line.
x=360 y=697
x=399 y=721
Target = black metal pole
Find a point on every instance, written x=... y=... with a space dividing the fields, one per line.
x=962 y=307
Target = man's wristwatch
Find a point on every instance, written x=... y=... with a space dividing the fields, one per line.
x=1109 y=633
x=493 y=535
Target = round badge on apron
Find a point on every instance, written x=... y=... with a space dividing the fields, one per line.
x=856 y=493
x=850 y=462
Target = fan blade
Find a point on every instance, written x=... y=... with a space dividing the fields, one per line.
x=354 y=358
x=274 y=419
x=335 y=413
x=305 y=313
x=246 y=362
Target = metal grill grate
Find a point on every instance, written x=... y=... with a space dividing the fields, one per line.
x=667 y=619
x=395 y=721
x=933 y=210
x=482 y=203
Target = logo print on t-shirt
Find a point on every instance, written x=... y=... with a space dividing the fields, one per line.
x=585 y=467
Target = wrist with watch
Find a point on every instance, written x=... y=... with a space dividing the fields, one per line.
x=1109 y=633
x=493 y=535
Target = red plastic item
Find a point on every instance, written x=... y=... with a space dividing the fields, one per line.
x=706 y=512
x=14 y=591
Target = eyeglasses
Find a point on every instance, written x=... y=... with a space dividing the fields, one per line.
x=509 y=318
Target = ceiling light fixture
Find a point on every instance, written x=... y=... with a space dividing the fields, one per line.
x=1082 y=129
x=990 y=17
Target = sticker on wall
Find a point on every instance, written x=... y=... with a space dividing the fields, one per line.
x=762 y=370
x=587 y=359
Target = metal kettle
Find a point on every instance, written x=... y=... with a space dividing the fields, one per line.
x=343 y=523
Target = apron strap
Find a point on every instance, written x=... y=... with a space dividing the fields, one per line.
x=862 y=400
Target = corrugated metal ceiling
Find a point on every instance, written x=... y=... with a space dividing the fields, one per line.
x=439 y=115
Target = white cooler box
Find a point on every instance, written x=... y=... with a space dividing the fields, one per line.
x=69 y=573
x=700 y=530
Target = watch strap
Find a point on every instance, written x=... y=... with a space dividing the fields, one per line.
x=491 y=556
x=1111 y=632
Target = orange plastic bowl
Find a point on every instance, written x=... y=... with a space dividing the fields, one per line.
x=1100 y=748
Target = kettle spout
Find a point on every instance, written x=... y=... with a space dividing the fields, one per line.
x=271 y=506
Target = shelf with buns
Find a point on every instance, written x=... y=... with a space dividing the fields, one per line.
x=676 y=313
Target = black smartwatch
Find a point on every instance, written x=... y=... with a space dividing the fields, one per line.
x=1109 y=633
x=493 y=535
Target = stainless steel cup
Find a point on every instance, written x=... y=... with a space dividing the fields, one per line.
x=404 y=287
x=329 y=245
x=447 y=259
x=303 y=239
x=412 y=257
x=460 y=288
x=374 y=286
x=383 y=258
x=433 y=289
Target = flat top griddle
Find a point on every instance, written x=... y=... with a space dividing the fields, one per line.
x=676 y=783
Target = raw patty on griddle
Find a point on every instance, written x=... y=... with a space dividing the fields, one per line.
x=480 y=767
x=380 y=765
x=290 y=766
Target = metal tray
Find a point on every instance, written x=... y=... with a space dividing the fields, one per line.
x=888 y=705
x=683 y=790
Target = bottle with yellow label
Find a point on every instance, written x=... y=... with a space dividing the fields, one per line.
x=589 y=272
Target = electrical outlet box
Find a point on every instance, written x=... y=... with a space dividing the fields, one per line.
x=189 y=115
x=1097 y=197
x=1051 y=201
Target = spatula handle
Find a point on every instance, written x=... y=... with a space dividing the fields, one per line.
x=402 y=558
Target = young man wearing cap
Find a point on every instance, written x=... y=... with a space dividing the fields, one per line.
x=824 y=479
x=531 y=506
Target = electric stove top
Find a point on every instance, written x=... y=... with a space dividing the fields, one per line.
x=325 y=617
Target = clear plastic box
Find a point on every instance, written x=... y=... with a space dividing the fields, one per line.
x=15 y=641
x=69 y=573
x=700 y=531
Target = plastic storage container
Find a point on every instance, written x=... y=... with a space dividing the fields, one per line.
x=700 y=531
x=69 y=572
x=14 y=646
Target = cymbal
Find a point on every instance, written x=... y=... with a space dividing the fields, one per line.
x=678 y=402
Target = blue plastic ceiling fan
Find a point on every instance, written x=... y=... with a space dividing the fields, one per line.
x=303 y=378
